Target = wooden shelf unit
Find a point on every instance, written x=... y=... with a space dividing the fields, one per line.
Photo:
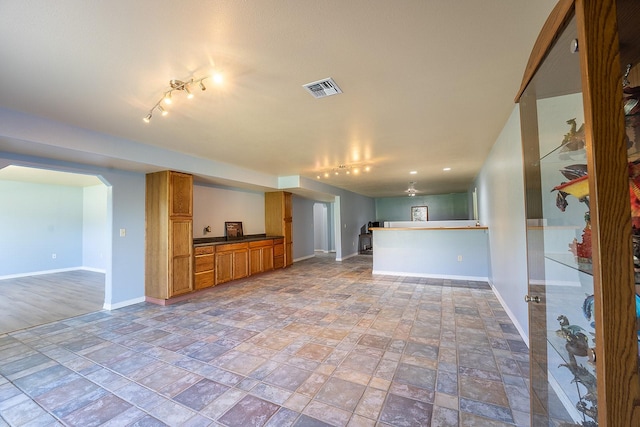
x=169 y=234
x=278 y=221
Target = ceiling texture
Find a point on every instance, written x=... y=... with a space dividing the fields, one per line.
x=427 y=84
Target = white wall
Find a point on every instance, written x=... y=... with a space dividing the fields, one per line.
x=320 y=227
x=94 y=227
x=437 y=253
x=500 y=187
x=37 y=221
x=212 y=206
x=303 y=229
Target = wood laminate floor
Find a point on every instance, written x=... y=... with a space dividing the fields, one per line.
x=36 y=300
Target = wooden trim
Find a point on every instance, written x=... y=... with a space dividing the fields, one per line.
x=616 y=349
x=427 y=228
x=556 y=20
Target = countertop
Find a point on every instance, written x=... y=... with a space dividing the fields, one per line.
x=212 y=241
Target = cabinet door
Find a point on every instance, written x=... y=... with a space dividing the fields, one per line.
x=267 y=258
x=224 y=267
x=278 y=253
x=255 y=261
x=240 y=263
x=288 y=242
x=180 y=276
x=180 y=194
x=558 y=240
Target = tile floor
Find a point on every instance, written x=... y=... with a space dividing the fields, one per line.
x=322 y=343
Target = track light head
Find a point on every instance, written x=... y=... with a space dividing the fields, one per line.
x=183 y=85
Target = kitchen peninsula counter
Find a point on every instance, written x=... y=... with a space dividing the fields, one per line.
x=435 y=249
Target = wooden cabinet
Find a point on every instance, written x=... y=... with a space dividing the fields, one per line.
x=169 y=234
x=278 y=220
x=260 y=256
x=204 y=262
x=580 y=151
x=231 y=262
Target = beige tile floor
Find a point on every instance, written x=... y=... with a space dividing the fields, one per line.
x=322 y=343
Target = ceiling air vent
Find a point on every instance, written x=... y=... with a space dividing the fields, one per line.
x=322 y=88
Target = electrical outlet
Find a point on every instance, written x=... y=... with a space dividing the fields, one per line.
x=123 y=232
x=459 y=258
x=54 y=256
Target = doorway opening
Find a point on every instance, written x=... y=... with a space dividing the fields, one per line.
x=54 y=245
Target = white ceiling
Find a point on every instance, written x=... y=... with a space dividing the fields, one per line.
x=427 y=84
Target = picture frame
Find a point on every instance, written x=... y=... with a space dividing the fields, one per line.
x=233 y=229
x=419 y=213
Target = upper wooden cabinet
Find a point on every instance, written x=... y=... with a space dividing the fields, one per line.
x=581 y=149
x=181 y=194
x=278 y=220
x=169 y=234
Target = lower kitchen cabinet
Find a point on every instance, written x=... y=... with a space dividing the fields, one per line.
x=260 y=256
x=231 y=262
x=204 y=262
x=278 y=253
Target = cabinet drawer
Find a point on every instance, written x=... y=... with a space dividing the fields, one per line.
x=278 y=250
x=278 y=261
x=261 y=243
x=204 y=280
x=231 y=247
x=203 y=250
x=203 y=263
x=278 y=241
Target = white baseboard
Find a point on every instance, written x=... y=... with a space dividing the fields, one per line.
x=347 y=257
x=303 y=258
x=117 y=305
x=37 y=273
x=512 y=316
x=431 y=276
x=57 y=270
x=95 y=270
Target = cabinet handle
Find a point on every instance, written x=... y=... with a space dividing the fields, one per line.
x=535 y=299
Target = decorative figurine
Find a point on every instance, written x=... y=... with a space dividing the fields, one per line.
x=574 y=140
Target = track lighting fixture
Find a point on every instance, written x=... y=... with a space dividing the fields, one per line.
x=343 y=169
x=181 y=86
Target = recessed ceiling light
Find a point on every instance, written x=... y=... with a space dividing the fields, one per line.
x=413 y=172
x=446 y=169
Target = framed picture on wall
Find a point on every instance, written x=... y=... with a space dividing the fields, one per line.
x=233 y=229
x=419 y=213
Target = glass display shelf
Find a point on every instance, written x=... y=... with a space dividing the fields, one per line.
x=569 y=260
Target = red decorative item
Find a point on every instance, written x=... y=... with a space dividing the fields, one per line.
x=582 y=250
